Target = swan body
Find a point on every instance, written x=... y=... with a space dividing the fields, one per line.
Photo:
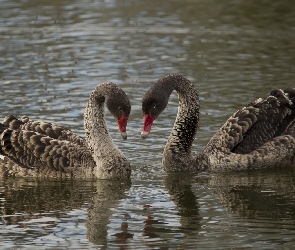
x=260 y=135
x=41 y=149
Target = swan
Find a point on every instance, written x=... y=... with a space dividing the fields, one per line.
x=41 y=149
x=260 y=135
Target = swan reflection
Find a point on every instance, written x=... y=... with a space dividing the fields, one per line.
x=49 y=205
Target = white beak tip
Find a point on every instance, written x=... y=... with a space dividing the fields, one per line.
x=144 y=134
x=124 y=135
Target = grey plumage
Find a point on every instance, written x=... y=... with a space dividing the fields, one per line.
x=260 y=135
x=31 y=148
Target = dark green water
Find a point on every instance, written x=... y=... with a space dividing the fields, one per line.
x=53 y=54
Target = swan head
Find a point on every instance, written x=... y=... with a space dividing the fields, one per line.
x=152 y=107
x=119 y=106
x=153 y=103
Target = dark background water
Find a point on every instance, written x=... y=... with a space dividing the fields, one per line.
x=53 y=54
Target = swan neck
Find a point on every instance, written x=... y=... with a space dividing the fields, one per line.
x=187 y=119
x=97 y=136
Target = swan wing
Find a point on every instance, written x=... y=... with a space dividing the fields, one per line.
x=32 y=150
x=274 y=117
x=257 y=123
x=44 y=128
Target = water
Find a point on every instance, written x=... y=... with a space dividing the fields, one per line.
x=53 y=54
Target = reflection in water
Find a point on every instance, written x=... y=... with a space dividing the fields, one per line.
x=263 y=205
x=179 y=187
x=22 y=198
x=259 y=195
x=111 y=213
x=25 y=202
x=105 y=199
x=259 y=205
x=149 y=223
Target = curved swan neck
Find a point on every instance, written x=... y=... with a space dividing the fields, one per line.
x=187 y=119
x=97 y=136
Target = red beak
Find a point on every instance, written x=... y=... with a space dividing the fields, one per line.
x=122 y=123
x=147 y=125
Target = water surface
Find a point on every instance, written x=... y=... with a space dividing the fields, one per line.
x=53 y=54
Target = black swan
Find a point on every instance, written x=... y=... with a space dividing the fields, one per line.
x=260 y=135
x=40 y=149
